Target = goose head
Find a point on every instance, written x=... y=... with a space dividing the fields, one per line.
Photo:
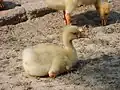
x=72 y=32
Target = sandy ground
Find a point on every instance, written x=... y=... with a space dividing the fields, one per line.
x=98 y=67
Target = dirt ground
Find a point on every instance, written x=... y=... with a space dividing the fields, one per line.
x=98 y=67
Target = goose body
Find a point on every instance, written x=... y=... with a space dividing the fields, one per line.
x=102 y=6
x=69 y=5
x=87 y=2
x=50 y=59
x=38 y=59
x=66 y=5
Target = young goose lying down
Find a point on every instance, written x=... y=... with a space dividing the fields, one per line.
x=102 y=6
x=50 y=59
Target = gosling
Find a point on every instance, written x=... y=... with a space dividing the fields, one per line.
x=66 y=5
x=102 y=6
x=50 y=59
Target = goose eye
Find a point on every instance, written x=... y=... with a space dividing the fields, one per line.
x=74 y=33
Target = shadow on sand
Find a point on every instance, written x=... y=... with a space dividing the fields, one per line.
x=100 y=71
x=92 y=18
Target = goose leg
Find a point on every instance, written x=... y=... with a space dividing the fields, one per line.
x=65 y=21
x=55 y=67
x=52 y=74
x=97 y=7
x=1 y=4
x=67 y=18
x=104 y=22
